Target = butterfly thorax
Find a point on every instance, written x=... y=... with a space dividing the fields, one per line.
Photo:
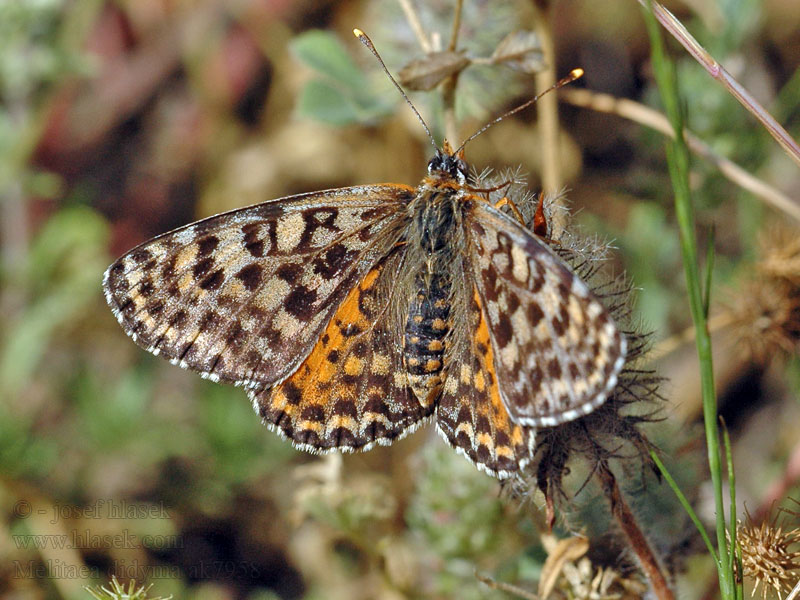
x=434 y=216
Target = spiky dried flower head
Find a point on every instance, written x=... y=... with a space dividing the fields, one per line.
x=770 y=558
x=119 y=592
x=766 y=312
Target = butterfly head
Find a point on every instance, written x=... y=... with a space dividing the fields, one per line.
x=448 y=164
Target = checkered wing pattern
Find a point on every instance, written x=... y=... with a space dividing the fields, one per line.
x=243 y=297
x=471 y=414
x=352 y=391
x=557 y=352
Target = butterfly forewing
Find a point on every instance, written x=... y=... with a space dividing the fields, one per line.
x=244 y=296
x=557 y=352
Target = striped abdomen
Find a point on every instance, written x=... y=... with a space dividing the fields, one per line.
x=424 y=340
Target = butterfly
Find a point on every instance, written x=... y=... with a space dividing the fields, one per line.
x=352 y=316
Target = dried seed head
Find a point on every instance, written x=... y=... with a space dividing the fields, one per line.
x=584 y=581
x=768 y=558
x=766 y=313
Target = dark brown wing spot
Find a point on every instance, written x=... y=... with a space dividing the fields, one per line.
x=290 y=273
x=250 y=276
x=345 y=408
x=332 y=262
x=501 y=438
x=300 y=302
x=535 y=314
x=252 y=243
x=536 y=281
x=207 y=245
x=147 y=288
x=271 y=335
x=213 y=281
x=292 y=393
x=503 y=330
x=256 y=248
x=559 y=327
x=350 y=330
x=179 y=318
x=375 y=404
x=203 y=267
x=377 y=430
x=554 y=369
x=308 y=437
x=341 y=436
x=210 y=320
x=235 y=334
x=313 y=412
x=142 y=255
x=482 y=425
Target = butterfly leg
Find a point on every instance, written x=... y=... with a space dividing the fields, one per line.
x=505 y=200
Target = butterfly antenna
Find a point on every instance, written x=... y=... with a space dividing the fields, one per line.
x=364 y=39
x=573 y=75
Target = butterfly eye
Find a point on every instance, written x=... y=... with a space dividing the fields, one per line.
x=437 y=163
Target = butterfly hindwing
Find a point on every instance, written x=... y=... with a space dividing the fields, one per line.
x=557 y=351
x=471 y=414
x=352 y=391
x=243 y=296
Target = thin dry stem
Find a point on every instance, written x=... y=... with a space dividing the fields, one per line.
x=636 y=539
x=507 y=587
x=547 y=107
x=673 y=342
x=416 y=25
x=718 y=72
x=449 y=85
x=456 y=26
x=639 y=113
x=795 y=593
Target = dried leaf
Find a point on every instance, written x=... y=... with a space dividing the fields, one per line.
x=426 y=73
x=521 y=51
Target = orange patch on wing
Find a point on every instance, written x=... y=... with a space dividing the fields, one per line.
x=499 y=415
x=319 y=378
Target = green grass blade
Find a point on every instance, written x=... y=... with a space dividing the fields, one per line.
x=678 y=162
x=687 y=506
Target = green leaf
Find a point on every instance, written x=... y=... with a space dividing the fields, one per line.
x=327 y=103
x=340 y=95
x=325 y=53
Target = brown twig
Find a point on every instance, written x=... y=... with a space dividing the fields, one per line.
x=638 y=543
x=639 y=113
x=718 y=72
